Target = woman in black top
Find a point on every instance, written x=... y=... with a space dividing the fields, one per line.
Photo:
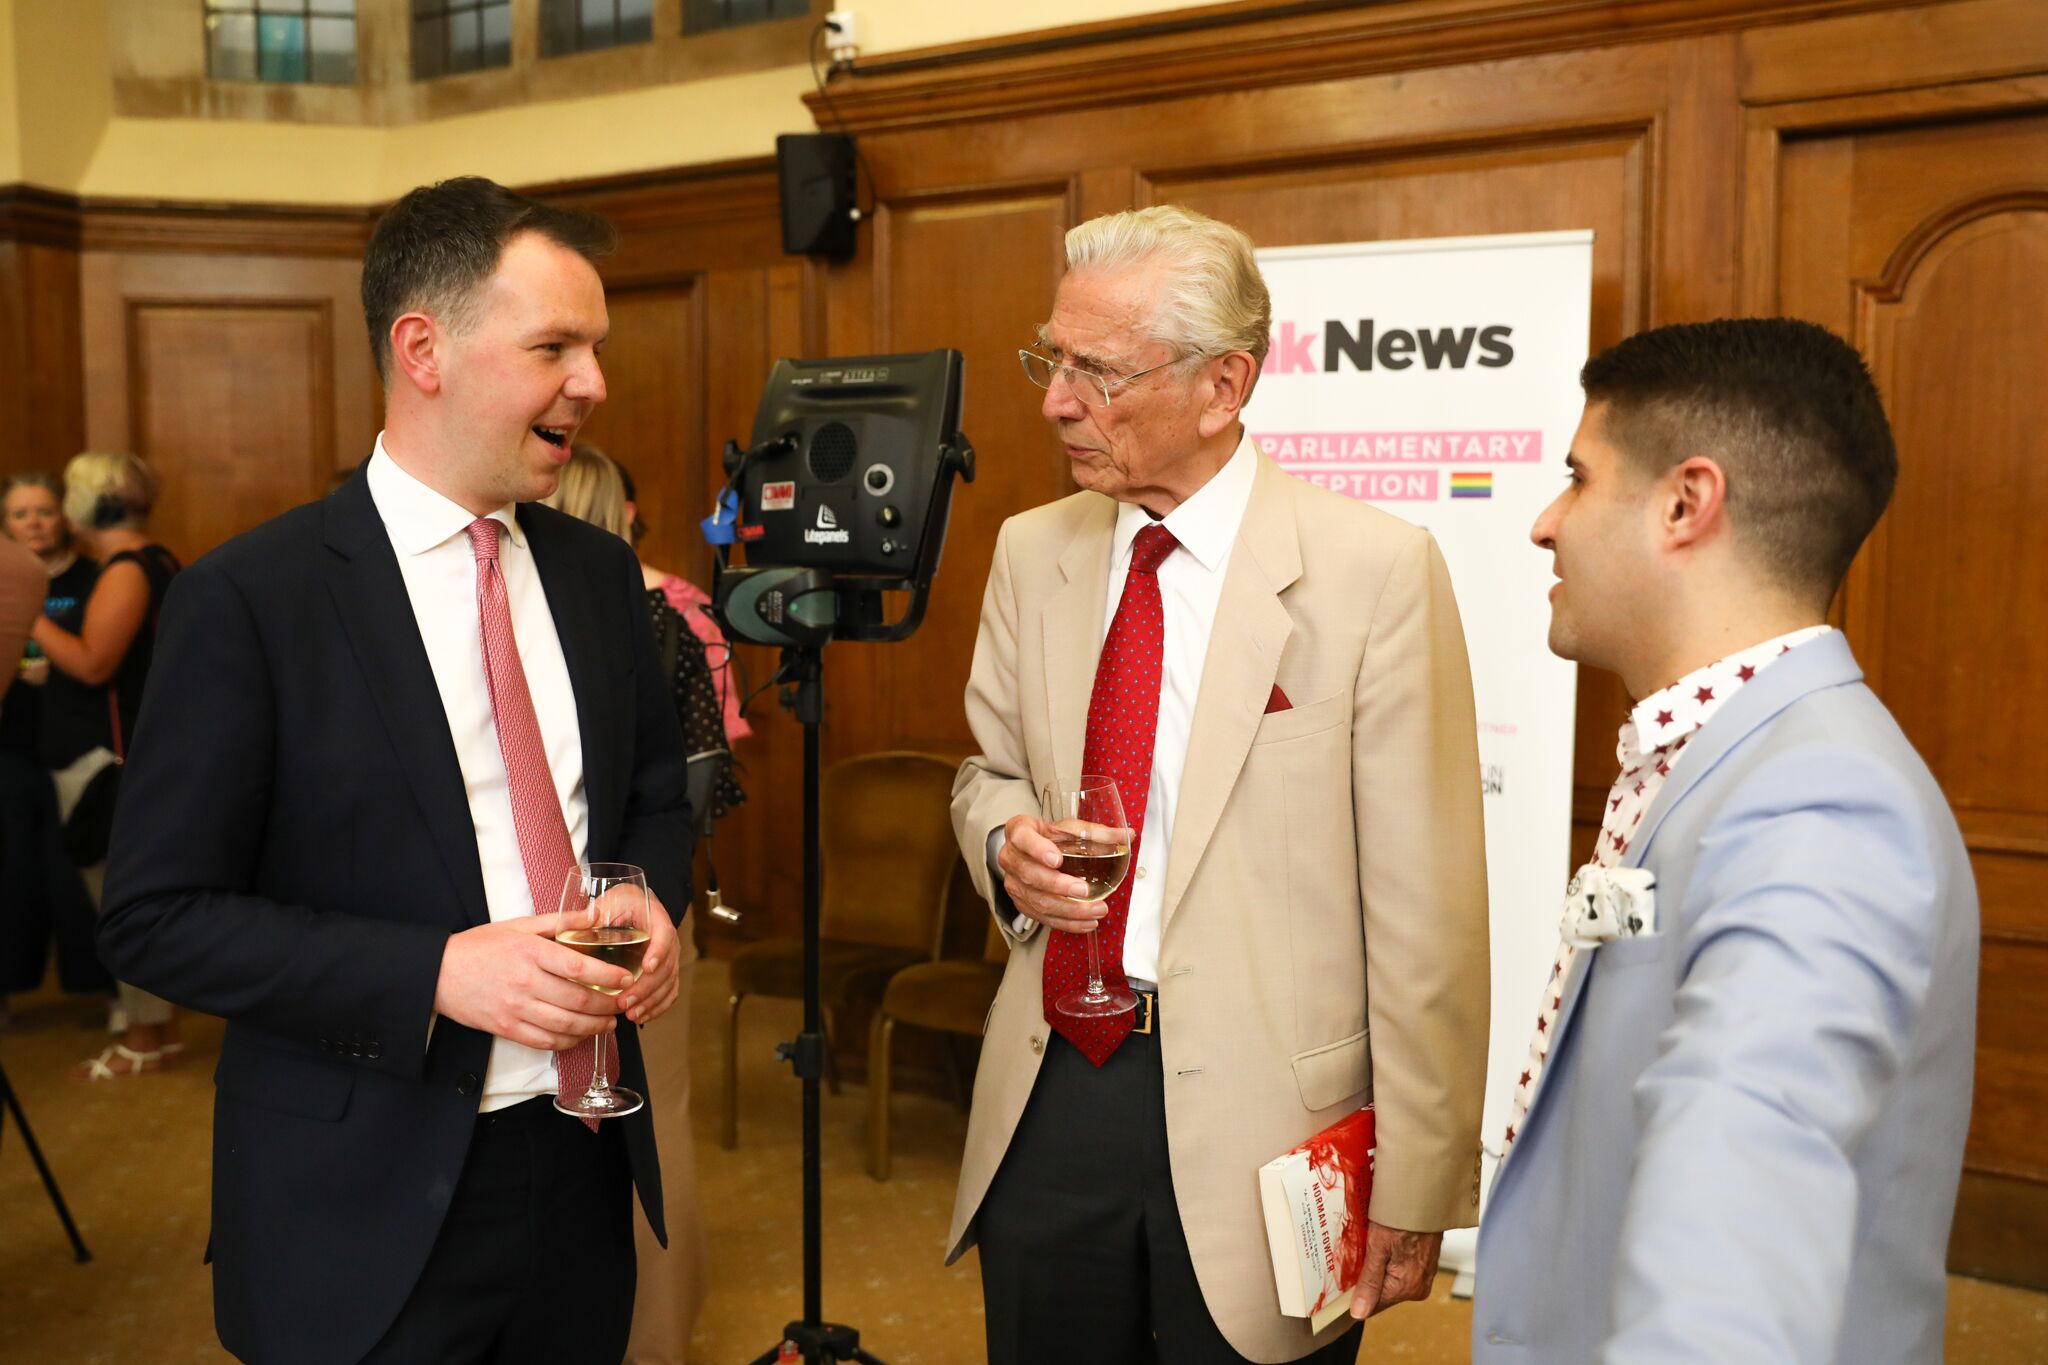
x=94 y=693
x=41 y=897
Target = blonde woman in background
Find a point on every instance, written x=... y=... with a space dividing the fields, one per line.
x=671 y=1285
x=91 y=700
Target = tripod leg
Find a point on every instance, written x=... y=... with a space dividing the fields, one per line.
x=78 y=1251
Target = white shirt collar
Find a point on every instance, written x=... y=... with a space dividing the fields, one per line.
x=416 y=517
x=1206 y=524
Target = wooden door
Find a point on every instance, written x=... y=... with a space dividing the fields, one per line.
x=1927 y=245
x=244 y=382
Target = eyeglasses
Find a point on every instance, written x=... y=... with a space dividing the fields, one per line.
x=1091 y=388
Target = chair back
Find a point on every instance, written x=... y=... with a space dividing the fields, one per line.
x=888 y=850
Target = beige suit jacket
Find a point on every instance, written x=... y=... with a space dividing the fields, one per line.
x=1324 y=939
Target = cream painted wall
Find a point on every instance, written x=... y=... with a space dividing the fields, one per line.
x=10 y=107
x=64 y=93
x=60 y=131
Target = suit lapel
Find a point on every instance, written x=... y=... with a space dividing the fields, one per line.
x=565 y=578
x=376 y=612
x=1073 y=624
x=1250 y=631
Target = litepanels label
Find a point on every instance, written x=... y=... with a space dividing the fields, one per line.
x=827 y=530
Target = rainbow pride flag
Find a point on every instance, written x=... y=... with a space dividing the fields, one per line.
x=1472 y=485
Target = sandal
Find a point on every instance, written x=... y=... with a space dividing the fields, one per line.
x=102 y=1068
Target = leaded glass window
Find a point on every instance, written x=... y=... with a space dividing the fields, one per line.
x=703 y=16
x=293 y=41
x=453 y=36
x=586 y=25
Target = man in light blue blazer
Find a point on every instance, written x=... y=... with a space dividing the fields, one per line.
x=1741 y=1125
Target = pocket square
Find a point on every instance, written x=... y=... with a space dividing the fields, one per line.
x=1603 y=904
x=1278 y=701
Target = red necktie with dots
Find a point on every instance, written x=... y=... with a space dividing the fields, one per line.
x=1123 y=720
x=544 y=847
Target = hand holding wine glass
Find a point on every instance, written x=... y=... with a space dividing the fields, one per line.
x=614 y=897
x=1086 y=823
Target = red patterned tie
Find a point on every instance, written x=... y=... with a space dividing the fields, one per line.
x=1123 y=719
x=544 y=847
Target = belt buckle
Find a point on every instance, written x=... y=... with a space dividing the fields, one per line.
x=1145 y=1001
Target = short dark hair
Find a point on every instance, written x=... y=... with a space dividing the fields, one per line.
x=434 y=249
x=1786 y=408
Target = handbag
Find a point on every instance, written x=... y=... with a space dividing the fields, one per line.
x=89 y=828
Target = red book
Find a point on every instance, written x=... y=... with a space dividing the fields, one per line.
x=1315 y=1199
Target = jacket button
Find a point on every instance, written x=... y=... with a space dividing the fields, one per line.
x=469 y=1084
x=1037 y=1043
x=374 y=1051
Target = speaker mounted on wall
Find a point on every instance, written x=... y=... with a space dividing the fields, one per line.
x=816 y=175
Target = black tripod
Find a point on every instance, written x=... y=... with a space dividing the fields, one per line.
x=820 y=1341
x=13 y=1106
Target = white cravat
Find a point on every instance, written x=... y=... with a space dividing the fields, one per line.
x=429 y=534
x=1652 y=741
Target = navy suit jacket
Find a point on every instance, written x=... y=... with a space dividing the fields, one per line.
x=293 y=848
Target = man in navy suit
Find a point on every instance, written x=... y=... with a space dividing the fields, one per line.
x=1739 y=1130
x=379 y=730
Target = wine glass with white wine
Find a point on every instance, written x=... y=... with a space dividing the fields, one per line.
x=616 y=893
x=1095 y=845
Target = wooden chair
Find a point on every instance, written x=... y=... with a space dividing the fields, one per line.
x=887 y=855
x=951 y=997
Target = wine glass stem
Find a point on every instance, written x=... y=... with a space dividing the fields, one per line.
x=1095 y=964
x=599 y=1081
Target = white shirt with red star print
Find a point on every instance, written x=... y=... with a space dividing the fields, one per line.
x=1653 y=739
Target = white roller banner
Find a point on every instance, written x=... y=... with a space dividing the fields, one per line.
x=1438 y=380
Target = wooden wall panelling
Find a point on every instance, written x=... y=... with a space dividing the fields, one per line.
x=41 y=382
x=1916 y=224
x=245 y=381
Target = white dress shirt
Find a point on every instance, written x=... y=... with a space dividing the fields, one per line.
x=1190 y=583
x=430 y=535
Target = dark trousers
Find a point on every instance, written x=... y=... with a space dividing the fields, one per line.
x=1083 y=1261
x=41 y=896
x=534 y=1264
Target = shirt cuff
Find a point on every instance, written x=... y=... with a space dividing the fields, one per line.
x=1019 y=922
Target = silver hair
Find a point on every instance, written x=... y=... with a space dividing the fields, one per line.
x=1214 y=301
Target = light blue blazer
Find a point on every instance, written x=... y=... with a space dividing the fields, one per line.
x=1746 y=1144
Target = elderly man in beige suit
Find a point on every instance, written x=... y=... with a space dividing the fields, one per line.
x=1282 y=674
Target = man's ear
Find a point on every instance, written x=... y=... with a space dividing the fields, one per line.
x=1693 y=501
x=416 y=341
x=1230 y=389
